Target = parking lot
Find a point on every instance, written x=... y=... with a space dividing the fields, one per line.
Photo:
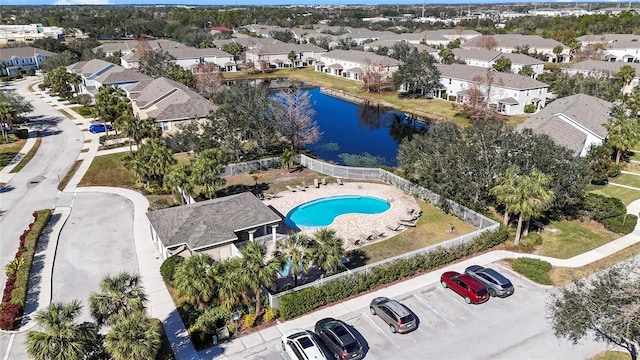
x=514 y=327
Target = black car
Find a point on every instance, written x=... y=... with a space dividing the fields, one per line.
x=340 y=341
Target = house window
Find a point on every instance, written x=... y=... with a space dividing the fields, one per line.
x=449 y=81
x=166 y=125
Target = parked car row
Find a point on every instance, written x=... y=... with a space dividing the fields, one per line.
x=477 y=284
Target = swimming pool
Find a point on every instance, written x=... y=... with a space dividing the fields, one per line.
x=321 y=212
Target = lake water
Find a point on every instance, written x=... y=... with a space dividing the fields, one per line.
x=349 y=128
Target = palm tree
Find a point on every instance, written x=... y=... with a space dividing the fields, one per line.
x=505 y=190
x=286 y=159
x=7 y=114
x=133 y=337
x=193 y=282
x=120 y=294
x=622 y=132
x=296 y=249
x=446 y=55
x=207 y=171
x=626 y=74
x=257 y=271
x=179 y=176
x=534 y=196
x=229 y=288
x=61 y=337
x=110 y=104
x=328 y=250
x=136 y=129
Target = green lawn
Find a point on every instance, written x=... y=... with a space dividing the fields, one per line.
x=626 y=179
x=183 y=158
x=28 y=156
x=9 y=150
x=624 y=194
x=631 y=167
x=432 y=228
x=108 y=170
x=564 y=239
x=612 y=355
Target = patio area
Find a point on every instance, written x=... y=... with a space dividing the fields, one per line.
x=351 y=226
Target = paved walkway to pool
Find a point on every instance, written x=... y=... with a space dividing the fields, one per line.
x=352 y=225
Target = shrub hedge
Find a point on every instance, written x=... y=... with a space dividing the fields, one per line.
x=168 y=268
x=14 y=296
x=305 y=300
x=599 y=207
x=622 y=224
x=534 y=269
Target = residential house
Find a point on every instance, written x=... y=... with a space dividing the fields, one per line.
x=575 y=122
x=187 y=57
x=510 y=43
x=169 y=102
x=126 y=47
x=388 y=44
x=604 y=69
x=487 y=58
x=21 y=34
x=354 y=64
x=277 y=55
x=21 y=58
x=507 y=93
x=217 y=227
x=96 y=73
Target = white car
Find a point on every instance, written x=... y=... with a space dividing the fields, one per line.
x=300 y=344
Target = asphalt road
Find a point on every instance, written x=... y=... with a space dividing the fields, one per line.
x=511 y=328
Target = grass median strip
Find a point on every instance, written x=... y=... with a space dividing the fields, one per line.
x=25 y=160
x=67 y=177
x=9 y=150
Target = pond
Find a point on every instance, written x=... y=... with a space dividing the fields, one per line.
x=358 y=135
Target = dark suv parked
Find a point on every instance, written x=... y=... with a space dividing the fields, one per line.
x=396 y=315
x=340 y=341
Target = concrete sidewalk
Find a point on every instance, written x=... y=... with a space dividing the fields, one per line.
x=255 y=343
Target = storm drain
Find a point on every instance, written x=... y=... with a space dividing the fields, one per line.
x=35 y=181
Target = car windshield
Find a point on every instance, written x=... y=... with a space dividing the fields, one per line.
x=480 y=292
x=353 y=347
x=305 y=342
x=507 y=285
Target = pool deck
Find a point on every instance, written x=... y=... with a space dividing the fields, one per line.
x=352 y=225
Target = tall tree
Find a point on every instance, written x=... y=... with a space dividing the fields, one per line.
x=61 y=336
x=526 y=70
x=626 y=74
x=120 y=294
x=180 y=177
x=327 y=250
x=557 y=51
x=286 y=159
x=257 y=271
x=111 y=103
x=623 y=132
x=61 y=82
x=155 y=63
x=505 y=190
x=185 y=77
x=295 y=248
x=532 y=197
x=207 y=171
x=133 y=336
x=446 y=55
x=418 y=75
x=295 y=115
x=208 y=79
x=152 y=160
x=503 y=64
x=612 y=316
x=7 y=114
x=193 y=282
x=137 y=129
x=226 y=276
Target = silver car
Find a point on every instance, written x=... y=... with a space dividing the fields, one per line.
x=496 y=284
x=300 y=344
x=396 y=315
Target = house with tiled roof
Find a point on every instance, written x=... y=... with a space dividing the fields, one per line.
x=487 y=58
x=604 y=69
x=516 y=42
x=126 y=47
x=217 y=227
x=388 y=44
x=276 y=55
x=169 y=102
x=575 y=122
x=187 y=57
x=21 y=58
x=97 y=73
x=507 y=93
x=353 y=64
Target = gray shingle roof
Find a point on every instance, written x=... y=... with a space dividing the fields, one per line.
x=609 y=67
x=284 y=48
x=90 y=67
x=194 y=53
x=171 y=100
x=361 y=57
x=505 y=80
x=521 y=59
x=585 y=110
x=513 y=41
x=118 y=74
x=23 y=52
x=476 y=54
x=210 y=222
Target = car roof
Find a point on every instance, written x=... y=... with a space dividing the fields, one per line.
x=396 y=307
x=474 y=268
x=345 y=336
x=294 y=333
x=313 y=351
x=496 y=275
x=473 y=283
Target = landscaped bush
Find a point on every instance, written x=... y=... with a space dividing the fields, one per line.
x=14 y=296
x=305 y=300
x=534 y=269
x=530 y=241
x=168 y=268
x=249 y=320
x=84 y=100
x=165 y=352
x=270 y=314
x=614 y=170
x=622 y=224
x=529 y=108
x=85 y=110
x=599 y=207
x=452 y=98
x=21 y=133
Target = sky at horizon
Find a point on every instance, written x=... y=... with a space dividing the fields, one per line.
x=288 y=2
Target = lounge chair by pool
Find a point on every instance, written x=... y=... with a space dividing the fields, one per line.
x=291 y=189
x=316 y=184
x=393 y=227
x=406 y=223
x=300 y=188
x=377 y=234
x=324 y=181
x=339 y=181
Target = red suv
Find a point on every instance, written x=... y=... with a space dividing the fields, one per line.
x=471 y=289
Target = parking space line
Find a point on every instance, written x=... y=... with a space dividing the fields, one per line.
x=279 y=350
x=432 y=309
x=384 y=333
x=455 y=297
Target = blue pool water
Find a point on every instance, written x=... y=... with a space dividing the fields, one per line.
x=322 y=212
